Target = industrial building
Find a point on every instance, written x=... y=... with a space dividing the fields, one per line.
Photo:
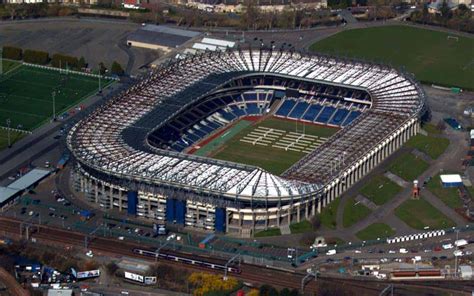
x=160 y=37
x=129 y=153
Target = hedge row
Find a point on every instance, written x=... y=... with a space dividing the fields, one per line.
x=12 y=53
x=36 y=57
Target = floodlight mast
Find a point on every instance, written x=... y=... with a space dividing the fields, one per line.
x=53 y=95
x=8 y=132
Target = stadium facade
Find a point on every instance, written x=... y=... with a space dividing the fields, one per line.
x=129 y=153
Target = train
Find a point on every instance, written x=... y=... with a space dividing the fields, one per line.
x=417 y=274
x=186 y=260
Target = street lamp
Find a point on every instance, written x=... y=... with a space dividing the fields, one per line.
x=8 y=132
x=53 y=95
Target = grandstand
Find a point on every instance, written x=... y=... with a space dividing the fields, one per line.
x=131 y=153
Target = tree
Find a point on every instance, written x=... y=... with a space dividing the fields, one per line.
x=13 y=53
x=36 y=57
x=111 y=268
x=116 y=69
x=82 y=63
x=316 y=222
x=102 y=68
x=64 y=61
x=307 y=239
x=267 y=290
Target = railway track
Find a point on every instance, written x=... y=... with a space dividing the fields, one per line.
x=249 y=273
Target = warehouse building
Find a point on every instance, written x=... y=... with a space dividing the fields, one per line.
x=160 y=37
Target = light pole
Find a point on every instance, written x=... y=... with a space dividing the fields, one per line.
x=53 y=95
x=8 y=132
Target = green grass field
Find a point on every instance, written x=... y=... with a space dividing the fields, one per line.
x=268 y=232
x=408 y=166
x=426 y=53
x=26 y=94
x=300 y=227
x=14 y=136
x=380 y=190
x=354 y=212
x=420 y=213
x=328 y=214
x=431 y=146
x=374 y=231
x=449 y=196
x=431 y=129
x=274 y=160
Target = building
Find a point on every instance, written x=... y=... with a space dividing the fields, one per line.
x=60 y=292
x=128 y=157
x=12 y=191
x=160 y=37
x=453 y=180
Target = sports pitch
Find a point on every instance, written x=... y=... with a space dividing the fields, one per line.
x=246 y=143
x=430 y=55
x=26 y=93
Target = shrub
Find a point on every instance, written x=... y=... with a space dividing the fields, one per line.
x=13 y=53
x=64 y=61
x=36 y=57
x=116 y=69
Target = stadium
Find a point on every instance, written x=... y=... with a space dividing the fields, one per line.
x=136 y=152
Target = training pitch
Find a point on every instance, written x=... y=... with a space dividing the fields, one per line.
x=434 y=57
x=272 y=144
x=26 y=93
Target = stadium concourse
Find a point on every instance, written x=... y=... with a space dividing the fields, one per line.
x=131 y=153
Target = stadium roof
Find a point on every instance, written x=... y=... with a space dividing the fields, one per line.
x=98 y=141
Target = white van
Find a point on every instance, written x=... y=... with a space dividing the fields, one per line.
x=331 y=252
x=403 y=251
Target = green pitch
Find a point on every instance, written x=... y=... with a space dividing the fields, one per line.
x=274 y=160
x=25 y=93
x=430 y=55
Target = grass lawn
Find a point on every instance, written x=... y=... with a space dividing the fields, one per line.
x=328 y=214
x=426 y=53
x=380 y=189
x=300 y=227
x=14 y=136
x=274 y=160
x=431 y=146
x=431 y=129
x=408 y=166
x=374 y=231
x=268 y=232
x=26 y=94
x=331 y=241
x=354 y=212
x=420 y=213
x=449 y=196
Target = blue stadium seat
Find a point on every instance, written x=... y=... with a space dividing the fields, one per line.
x=339 y=116
x=250 y=96
x=285 y=108
x=312 y=112
x=252 y=109
x=353 y=115
x=237 y=111
x=226 y=115
x=198 y=132
x=298 y=110
x=190 y=137
x=325 y=115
